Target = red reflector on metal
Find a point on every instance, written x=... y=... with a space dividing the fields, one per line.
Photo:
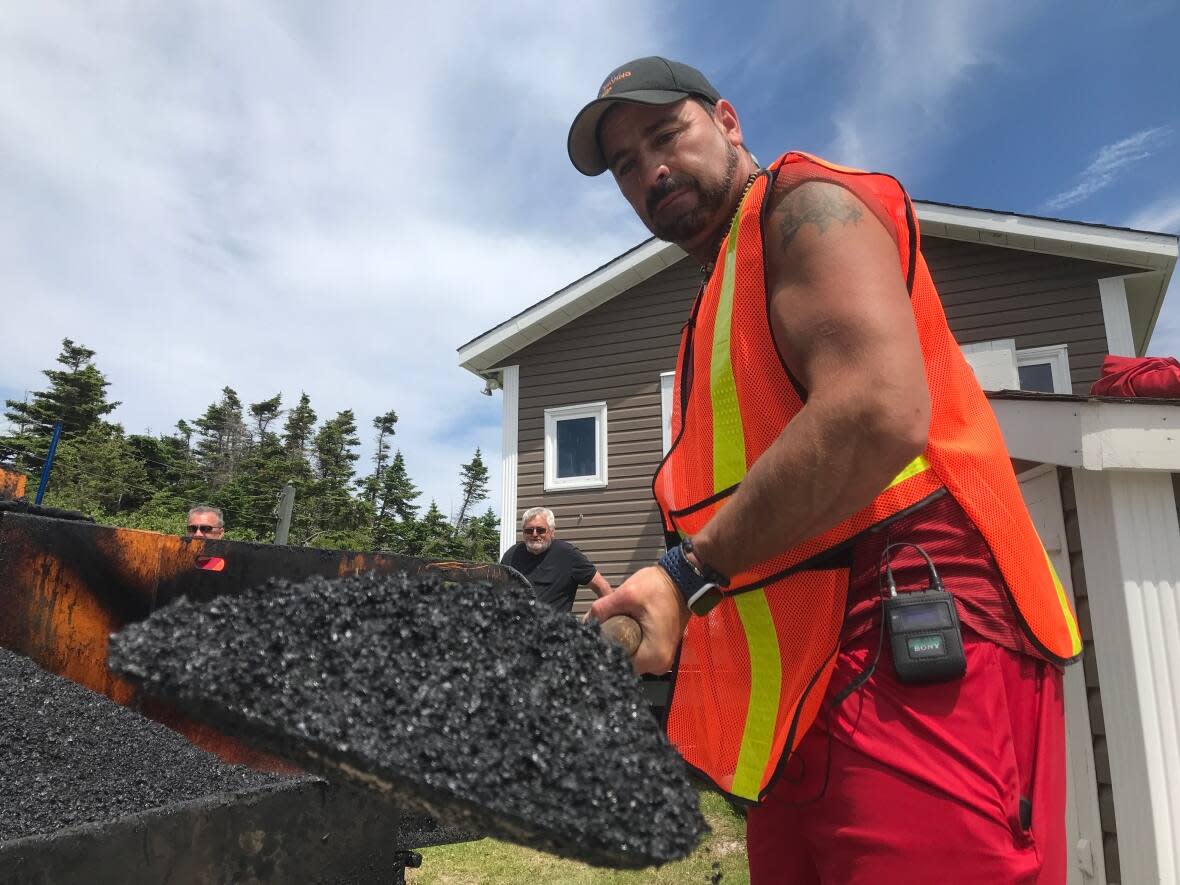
x=211 y=563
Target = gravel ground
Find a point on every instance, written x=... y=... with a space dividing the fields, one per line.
x=469 y=696
x=70 y=756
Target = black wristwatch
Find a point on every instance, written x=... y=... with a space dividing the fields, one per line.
x=700 y=587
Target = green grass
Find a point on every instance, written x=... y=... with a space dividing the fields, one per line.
x=490 y=862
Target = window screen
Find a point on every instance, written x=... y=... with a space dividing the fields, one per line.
x=1036 y=376
x=576 y=447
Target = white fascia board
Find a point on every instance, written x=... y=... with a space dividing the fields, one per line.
x=1150 y=251
x=1151 y=286
x=509 y=455
x=1091 y=434
x=1116 y=317
x=1137 y=248
x=578 y=298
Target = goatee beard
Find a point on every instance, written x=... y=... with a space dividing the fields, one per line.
x=689 y=224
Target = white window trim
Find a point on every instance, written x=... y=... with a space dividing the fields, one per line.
x=994 y=363
x=1057 y=356
x=667 y=384
x=509 y=454
x=583 y=410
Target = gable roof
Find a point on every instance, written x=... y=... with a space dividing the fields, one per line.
x=1154 y=253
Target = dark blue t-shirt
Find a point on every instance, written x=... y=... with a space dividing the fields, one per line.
x=555 y=574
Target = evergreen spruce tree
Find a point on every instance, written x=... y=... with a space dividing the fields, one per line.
x=338 y=516
x=264 y=413
x=474 y=486
x=435 y=536
x=334 y=450
x=184 y=432
x=173 y=481
x=234 y=458
x=97 y=473
x=483 y=534
x=398 y=491
x=297 y=431
x=396 y=516
x=384 y=425
x=76 y=396
x=222 y=439
x=252 y=495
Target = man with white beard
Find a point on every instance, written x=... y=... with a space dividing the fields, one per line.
x=555 y=568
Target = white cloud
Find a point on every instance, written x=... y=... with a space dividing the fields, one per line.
x=292 y=197
x=1110 y=161
x=913 y=60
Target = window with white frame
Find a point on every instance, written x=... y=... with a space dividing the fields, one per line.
x=1045 y=369
x=1000 y=366
x=667 y=380
x=575 y=447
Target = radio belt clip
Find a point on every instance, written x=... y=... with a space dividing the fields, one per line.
x=924 y=632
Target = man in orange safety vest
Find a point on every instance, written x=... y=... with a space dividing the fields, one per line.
x=833 y=458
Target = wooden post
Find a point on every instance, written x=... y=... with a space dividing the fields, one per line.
x=286 y=508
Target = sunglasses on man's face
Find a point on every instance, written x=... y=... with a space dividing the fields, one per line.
x=203 y=529
x=535 y=531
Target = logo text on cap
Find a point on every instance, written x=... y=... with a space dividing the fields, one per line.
x=611 y=81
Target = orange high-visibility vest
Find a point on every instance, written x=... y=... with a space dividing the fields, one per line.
x=752 y=672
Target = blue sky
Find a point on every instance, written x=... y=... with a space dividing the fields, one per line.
x=333 y=197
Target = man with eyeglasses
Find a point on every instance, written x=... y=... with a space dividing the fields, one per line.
x=205 y=521
x=555 y=568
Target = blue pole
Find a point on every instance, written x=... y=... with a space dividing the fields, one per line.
x=48 y=463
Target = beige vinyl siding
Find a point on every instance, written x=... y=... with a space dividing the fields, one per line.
x=617 y=351
x=1039 y=300
x=614 y=353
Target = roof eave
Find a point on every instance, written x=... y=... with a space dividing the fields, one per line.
x=1154 y=253
x=583 y=295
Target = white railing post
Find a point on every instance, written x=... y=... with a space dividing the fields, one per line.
x=1131 y=549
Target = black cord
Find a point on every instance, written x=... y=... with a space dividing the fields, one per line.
x=935 y=581
x=884 y=580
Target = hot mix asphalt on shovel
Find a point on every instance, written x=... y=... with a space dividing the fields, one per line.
x=468 y=700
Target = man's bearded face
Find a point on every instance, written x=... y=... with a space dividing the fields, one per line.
x=537 y=536
x=675 y=165
x=694 y=205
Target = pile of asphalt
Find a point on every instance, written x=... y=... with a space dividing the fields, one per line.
x=20 y=505
x=470 y=700
x=69 y=756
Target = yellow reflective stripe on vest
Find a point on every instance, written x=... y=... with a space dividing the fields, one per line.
x=766 y=679
x=729 y=439
x=918 y=465
x=1075 y=638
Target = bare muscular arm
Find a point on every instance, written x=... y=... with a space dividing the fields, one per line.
x=600 y=585
x=841 y=316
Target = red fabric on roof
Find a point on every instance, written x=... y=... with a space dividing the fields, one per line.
x=1148 y=376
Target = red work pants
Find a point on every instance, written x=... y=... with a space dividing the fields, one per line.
x=925 y=782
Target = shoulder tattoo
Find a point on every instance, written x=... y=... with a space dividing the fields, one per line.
x=815 y=203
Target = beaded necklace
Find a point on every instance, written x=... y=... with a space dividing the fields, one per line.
x=707 y=269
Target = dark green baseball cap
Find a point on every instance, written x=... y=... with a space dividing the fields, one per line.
x=650 y=80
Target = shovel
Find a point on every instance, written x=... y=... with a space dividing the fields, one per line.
x=469 y=701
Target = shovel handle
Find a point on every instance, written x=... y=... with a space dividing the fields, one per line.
x=624 y=632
